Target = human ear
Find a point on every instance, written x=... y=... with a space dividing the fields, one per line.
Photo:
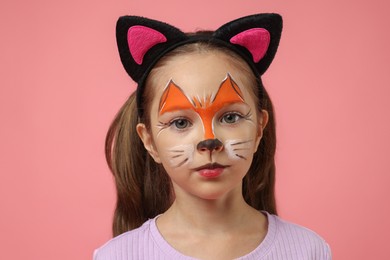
x=147 y=140
x=262 y=123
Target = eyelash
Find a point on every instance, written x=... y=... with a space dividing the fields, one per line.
x=240 y=116
x=175 y=120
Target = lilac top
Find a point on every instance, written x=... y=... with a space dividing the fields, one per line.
x=283 y=241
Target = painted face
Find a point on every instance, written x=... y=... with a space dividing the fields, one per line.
x=205 y=127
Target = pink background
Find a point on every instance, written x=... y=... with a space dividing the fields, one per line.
x=62 y=82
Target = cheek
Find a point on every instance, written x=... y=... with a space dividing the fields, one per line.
x=177 y=156
x=177 y=148
x=244 y=131
x=239 y=142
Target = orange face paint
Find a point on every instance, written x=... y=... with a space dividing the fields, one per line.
x=174 y=99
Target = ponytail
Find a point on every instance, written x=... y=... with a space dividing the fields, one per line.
x=143 y=188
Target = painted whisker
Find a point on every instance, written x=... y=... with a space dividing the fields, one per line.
x=243 y=142
x=183 y=162
x=240 y=156
x=240 y=149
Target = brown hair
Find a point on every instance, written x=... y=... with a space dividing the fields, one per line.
x=144 y=190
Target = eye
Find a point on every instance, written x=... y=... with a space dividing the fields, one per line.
x=231 y=118
x=181 y=123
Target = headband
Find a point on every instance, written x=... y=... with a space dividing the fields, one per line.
x=142 y=42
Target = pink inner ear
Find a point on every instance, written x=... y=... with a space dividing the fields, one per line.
x=141 y=39
x=256 y=40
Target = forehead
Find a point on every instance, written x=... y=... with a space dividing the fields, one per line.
x=199 y=74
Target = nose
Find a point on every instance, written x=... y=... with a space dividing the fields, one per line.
x=210 y=145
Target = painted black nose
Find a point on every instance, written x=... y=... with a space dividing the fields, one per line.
x=210 y=145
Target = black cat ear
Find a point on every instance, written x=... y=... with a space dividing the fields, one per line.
x=256 y=36
x=140 y=41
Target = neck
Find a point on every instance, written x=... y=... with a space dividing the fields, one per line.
x=209 y=215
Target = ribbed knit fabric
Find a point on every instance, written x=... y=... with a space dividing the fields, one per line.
x=283 y=241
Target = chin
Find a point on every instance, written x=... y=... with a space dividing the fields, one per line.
x=214 y=193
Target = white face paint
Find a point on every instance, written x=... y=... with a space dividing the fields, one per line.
x=239 y=149
x=180 y=154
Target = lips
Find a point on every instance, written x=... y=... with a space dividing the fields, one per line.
x=211 y=170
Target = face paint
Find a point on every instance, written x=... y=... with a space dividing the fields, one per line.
x=174 y=98
x=180 y=154
x=238 y=149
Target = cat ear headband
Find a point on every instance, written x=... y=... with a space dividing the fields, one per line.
x=142 y=42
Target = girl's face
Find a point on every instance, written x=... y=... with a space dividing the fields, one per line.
x=205 y=127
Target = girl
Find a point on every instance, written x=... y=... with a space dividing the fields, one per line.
x=192 y=151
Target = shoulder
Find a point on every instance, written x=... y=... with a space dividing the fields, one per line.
x=125 y=246
x=297 y=240
x=295 y=232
